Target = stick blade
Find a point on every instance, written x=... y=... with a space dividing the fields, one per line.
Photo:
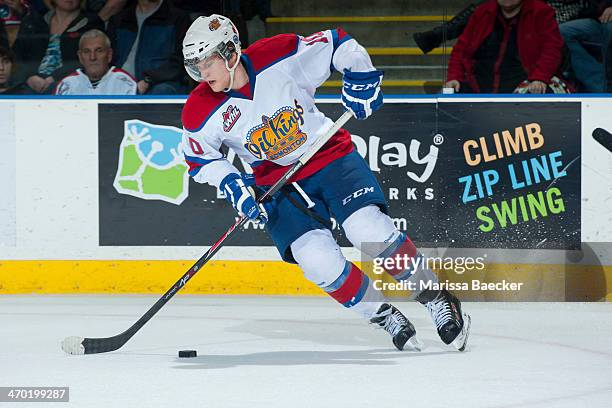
x=603 y=137
x=73 y=345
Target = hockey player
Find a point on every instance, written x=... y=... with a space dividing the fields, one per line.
x=260 y=103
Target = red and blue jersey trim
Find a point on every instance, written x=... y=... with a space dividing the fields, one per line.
x=270 y=51
x=196 y=163
x=200 y=106
x=339 y=37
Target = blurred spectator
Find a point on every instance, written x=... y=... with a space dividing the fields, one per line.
x=565 y=10
x=7 y=59
x=46 y=47
x=11 y=11
x=232 y=9
x=105 y=8
x=252 y=8
x=3 y=36
x=199 y=7
x=94 y=6
x=11 y=14
x=584 y=24
x=589 y=67
x=39 y=6
x=147 y=41
x=97 y=76
x=248 y=8
x=7 y=67
x=505 y=43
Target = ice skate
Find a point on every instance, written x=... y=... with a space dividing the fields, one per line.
x=398 y=326
x=452 y=324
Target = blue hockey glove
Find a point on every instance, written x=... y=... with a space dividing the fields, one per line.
x=234 y=186
x=361 y=93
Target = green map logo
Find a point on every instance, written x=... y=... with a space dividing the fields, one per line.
x=151 y=164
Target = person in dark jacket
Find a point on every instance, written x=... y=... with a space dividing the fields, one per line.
x=3 y=36
x=505 y=43
x=580 y=34
x=565 y=10
x=147 y=40
x=7 y=62
x=585 y=26
x=7 y=68
x=46 y=46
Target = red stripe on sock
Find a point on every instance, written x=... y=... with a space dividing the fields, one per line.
x=406 y=249
x=350 y=287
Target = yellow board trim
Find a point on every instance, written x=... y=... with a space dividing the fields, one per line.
x=218 y=277
x=542 y=282
x=357 y=19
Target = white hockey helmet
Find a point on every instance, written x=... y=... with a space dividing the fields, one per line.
x=206 y=36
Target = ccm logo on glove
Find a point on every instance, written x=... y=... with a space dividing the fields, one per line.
x=361 y=93
x=360 y=87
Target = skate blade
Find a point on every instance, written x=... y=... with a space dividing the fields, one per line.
x=414 y=344
x=461 y=341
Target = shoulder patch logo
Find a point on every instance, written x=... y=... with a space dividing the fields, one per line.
x=230 y=117
x=214 y=25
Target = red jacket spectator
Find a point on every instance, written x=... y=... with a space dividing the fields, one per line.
x=538 y=39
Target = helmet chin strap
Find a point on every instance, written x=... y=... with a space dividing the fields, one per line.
x=232 y=70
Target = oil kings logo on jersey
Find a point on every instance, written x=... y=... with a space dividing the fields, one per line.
x=230 y=117
x=279 y=135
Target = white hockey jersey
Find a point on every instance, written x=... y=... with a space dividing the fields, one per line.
x=115 y=82
x=273 y=120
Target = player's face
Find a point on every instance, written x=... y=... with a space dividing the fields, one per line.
x=95 y=57
x=6 y=66
x=214 y=72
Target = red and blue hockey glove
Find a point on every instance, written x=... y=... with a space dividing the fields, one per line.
x=361 y=93
x=236 y=192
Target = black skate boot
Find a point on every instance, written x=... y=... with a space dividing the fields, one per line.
x=453 y=325
x=395 y=323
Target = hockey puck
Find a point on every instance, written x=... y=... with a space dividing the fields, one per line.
x=187 y=353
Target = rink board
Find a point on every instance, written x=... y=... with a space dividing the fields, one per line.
x=75 y=219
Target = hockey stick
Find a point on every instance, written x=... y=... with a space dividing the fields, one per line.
x=603 y=137
x=80 y=345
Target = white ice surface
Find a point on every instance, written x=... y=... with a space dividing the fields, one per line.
x=305 y=352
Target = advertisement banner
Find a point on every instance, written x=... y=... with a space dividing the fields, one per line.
x=455 y=174
x=511 y=175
